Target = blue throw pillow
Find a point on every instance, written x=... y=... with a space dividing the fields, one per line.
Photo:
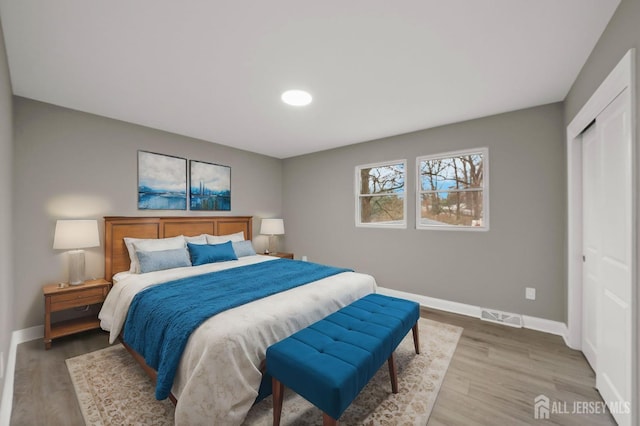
x=164 y=259
x=211 y=253
x=243 y=248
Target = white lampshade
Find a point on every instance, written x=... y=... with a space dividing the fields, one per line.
x=76 y=234
x=272 y=227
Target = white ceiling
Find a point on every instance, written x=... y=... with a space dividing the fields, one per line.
x=215 y=69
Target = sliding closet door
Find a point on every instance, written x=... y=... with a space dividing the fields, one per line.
x=592 y=242
x=607 y=280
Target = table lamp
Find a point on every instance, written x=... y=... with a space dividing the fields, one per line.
x=272 y=227
x=75 y=235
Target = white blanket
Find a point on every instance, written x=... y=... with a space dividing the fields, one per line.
x=218 y=377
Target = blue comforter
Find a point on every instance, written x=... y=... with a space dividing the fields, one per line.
x=161 y=318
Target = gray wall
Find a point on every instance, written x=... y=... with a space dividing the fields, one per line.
x=621 y=34
x=524 y=247
x=70 y=164
x=6 y=246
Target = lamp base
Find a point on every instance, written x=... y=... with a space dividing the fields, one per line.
x=273 y=244
x=76 y=267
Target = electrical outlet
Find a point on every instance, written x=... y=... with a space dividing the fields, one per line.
x=530 y=293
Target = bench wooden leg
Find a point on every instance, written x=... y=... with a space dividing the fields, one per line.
x=327 y=420
x=393 y=374
x=278 y=396
x=416 y=338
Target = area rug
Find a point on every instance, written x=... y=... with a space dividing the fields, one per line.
x=112 y=389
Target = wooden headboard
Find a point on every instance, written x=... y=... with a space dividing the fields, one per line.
x=116 y=228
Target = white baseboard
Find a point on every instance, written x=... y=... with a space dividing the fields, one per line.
x=533 y=323
x=17 y=337
x=547 y=326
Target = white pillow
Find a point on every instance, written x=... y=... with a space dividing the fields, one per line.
x=133 y=258
x=219 y=239
x=155 y=244
x=200 y=239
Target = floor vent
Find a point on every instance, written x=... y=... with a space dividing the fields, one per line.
x=512 y=320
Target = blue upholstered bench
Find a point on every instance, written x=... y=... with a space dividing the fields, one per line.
x=329 y=362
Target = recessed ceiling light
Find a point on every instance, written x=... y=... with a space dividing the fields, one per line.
x=296 y=97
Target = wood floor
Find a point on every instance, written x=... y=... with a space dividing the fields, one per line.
x=494 y=376
x=497 y=372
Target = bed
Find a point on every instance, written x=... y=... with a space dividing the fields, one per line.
x=220 y=371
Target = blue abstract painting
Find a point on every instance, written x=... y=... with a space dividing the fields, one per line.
x=162 y=182
x=210 y=187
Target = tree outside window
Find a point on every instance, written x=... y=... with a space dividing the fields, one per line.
x=453 y=190
x=380 y=194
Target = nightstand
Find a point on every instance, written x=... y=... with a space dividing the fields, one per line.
x=281 y=254
x=72 y=296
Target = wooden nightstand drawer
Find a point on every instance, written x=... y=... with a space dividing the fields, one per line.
x=76 y=298
x=71 y=300
x=282 y=255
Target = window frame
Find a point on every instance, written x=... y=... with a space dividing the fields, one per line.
x=357 y=185
x=484 y=151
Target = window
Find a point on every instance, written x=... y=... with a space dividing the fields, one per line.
x=453 y=191
x=380 y=195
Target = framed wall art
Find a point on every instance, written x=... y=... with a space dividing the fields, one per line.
x=162 y=182
x=210 y=186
